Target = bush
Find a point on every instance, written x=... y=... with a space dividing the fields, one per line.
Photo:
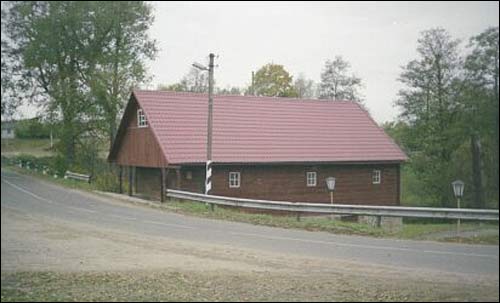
x=32 y=129
x=59 y=165
x=107 y=181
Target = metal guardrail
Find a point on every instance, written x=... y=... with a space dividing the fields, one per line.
x=72 y=175
x=365 y=210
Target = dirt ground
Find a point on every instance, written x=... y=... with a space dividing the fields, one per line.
x=45 y=259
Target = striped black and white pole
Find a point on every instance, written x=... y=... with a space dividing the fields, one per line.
x=208 y=179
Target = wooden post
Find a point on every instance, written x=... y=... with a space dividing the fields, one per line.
x=178 y=175
x=135 y=179
x=458 y=222
x=120 y=176
x=130 y=179
x=162 y=184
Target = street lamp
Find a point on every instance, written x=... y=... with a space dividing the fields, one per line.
x=210 y=69
x=199 y=66
x=458 y=190
x=330 y=183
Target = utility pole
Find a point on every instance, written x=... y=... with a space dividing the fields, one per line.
x=210 y=69
x=208 y=181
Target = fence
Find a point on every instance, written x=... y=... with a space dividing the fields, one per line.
x=81 y=177
x=365 y=210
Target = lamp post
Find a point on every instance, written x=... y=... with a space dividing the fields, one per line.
x=330 y=183
x=458 y=191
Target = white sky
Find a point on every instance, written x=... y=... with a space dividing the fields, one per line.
x=377 y=38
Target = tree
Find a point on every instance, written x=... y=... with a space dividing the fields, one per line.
x=480 y=111
x=429 y=106
x=305 y=88
x=229 y=91
x=195 y=81
x=41 y=35
x=338 y=83
x=176 y=87
x=84 y=56
x=116 y=45
x=15 y=88
x=274 y=81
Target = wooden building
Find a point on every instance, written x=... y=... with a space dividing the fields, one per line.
x=263 y=148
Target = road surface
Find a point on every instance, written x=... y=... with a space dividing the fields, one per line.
x=48 y=227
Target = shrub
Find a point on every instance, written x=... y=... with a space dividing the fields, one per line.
x=32 y=128
x=107 y=181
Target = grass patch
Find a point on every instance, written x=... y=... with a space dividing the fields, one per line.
x=181 y=286
x=35 y=147
x=416 y=231
x=285 y=221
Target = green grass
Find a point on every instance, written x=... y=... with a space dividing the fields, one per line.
x=414 y=230
x=40 y=147
x=182 y=286
x=35 y=147
x=420 y=231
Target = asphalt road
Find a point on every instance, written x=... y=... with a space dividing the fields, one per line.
x=31 y=196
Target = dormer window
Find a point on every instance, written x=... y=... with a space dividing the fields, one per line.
x=141 y=118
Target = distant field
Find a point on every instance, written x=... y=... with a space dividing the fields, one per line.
x=35 y=147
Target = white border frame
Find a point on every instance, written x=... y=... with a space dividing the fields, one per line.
x=238 y=179
x=141 y=122
x=313 y=173
x=376 y=176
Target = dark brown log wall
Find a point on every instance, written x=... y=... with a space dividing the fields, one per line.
x=139 y=146
x=288 y=183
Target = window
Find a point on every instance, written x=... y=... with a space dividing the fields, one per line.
x=234 y=179
x=376 y=176
x=141 y=118
x=189 y=175
x=311 y=178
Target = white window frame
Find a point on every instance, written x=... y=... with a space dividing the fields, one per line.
x=142 y=121
x=376 y=176
x=234 y=179
x=310 y=177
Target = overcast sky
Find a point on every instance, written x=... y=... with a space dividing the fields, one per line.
x=377 y=38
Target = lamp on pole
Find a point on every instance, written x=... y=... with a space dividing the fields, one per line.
x=330 y=183
x=210 y=69
x=458 y=191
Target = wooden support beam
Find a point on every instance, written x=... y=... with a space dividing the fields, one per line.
x=120 y=177
x=178 y=175
x=135 y=179
x=162 y=184
x=130 y=179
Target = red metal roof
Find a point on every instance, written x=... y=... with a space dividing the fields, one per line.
x=264 y=129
